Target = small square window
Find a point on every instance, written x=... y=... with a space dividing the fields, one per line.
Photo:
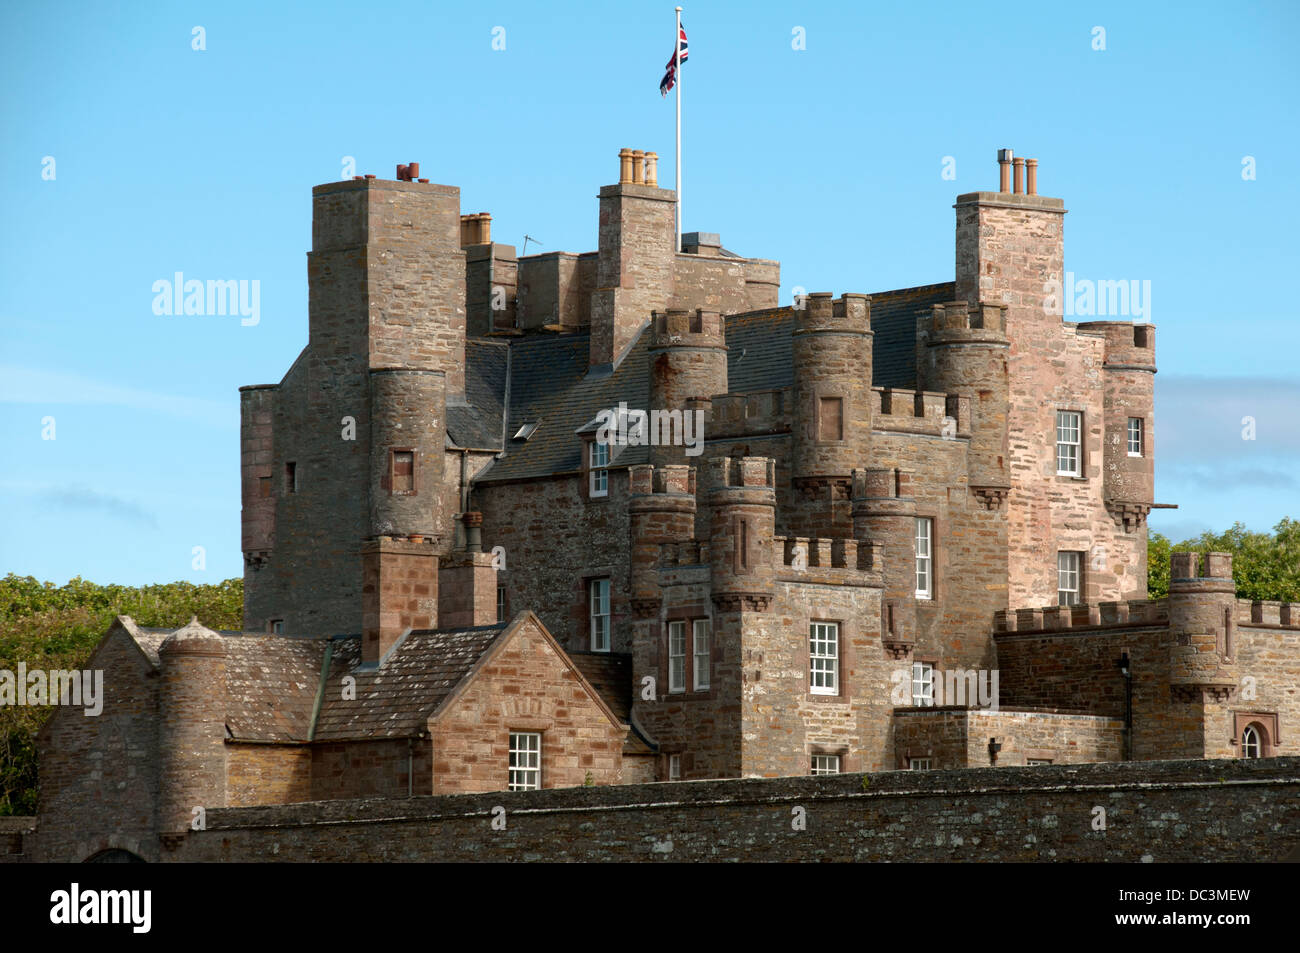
x=277 y=626
x=918 y=764
x=1135 y=436
x=674 y=767
x=825 y=764
x=525 y=761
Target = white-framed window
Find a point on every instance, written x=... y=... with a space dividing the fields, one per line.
x=1250 y=742
x=501 y=603
x=599 y=475
x=674 y=767
x=599 y=589
x=825 y=764
x=824 y=658
x=918 y=764
x=525 y=760
x=1032 y=762
x=1135 y=436
x=700 y=655
x=922 y=683
x=676 y=656
x=924 y=557
x=1068 y=443
x=1067 y=578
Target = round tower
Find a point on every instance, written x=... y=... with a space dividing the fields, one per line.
x=742 y=502
x=192 y=725
x=688 y=363
x=661 y=509
x=966 y=352
x=884 y=511
x=1128 y=463
x=832 y=366
x=408 y=433
x=1202 y=621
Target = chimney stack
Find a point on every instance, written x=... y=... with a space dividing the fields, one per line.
x=399 y=592
x=467 y=591
x=1004 y=170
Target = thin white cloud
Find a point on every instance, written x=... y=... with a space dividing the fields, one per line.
x=28 y=385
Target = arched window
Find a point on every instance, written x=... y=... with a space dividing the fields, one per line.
x=1251 y=747
x=114 y=855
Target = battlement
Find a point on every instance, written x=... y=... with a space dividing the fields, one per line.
x=1267 y=612
x=921 y=411
x=1128 y=345
x=686 y=553
x=743 y=472
x=960 y=316
x=1183 y=567
x=801 y=553
x=681 y=328
x=765 y=411
x=882 y=483
x=823 y=312
x=1131 y=612
x=646 y=480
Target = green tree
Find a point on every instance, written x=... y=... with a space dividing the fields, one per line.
x=1264 y=565
x=56 y=627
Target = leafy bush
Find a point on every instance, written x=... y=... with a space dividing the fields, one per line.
x=1264 y=565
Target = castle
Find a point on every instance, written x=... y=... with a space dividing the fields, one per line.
x=903 y=530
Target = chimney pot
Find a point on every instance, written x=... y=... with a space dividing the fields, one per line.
x=652 y=169
x=1004 y=170
x=1031 y=176
x=638 y=167
x=1019 y=165
x=414 y=170
x=624 y=166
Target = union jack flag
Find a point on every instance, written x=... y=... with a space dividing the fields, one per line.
x=670 y=78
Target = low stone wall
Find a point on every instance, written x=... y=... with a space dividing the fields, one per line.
x=1154 y=811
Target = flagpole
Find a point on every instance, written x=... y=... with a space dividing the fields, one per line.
x=677 y=72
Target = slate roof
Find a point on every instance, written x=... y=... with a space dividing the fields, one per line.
x=548 y=379
x=610 y=674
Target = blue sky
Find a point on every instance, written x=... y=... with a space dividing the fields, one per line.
x=828 y=158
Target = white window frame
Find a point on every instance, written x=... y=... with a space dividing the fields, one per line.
x=1037 y=762
x=1136 y=435
x=1252 y=740
x=918 y=764
x=525 y=761
x=924 y=557
x=501 y=603
x=598 y=459
x=677 y=656
x=598 y=604
x=674 y=767
x=701 y=654
x=1069 y=443
x=825 y=764
x=824 y=658
x=1069 y=569
x=922 y=684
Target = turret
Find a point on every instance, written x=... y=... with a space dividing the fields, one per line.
x=742 y=502
x=407 y=448
x=884 y=512
x=963 y=350
x=1202 y=621
x=661 y=509
x=1128 y=464
x=192 y=725
x=688 y=365
x=832 y=359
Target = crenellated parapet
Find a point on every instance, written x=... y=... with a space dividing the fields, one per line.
x=829 y=561
x=758 y=413
x=1117 y=614
x=1257 y=612
x=933 y=413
